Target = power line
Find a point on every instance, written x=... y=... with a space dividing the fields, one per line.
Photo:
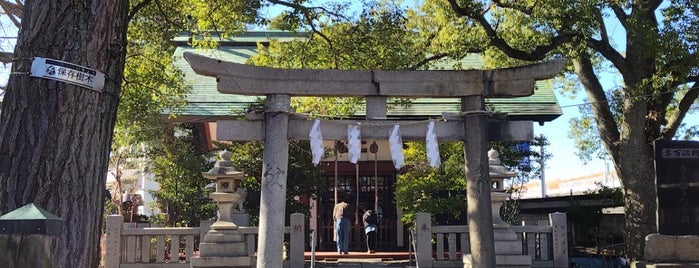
x=623 y=98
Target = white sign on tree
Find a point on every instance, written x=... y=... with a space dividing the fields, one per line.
x=67 y=72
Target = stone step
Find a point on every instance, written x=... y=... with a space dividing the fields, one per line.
x=504 y=261
x=197 y=262
x=508 y=247
x=222 y=249
x=642 y=264
x=223 y=237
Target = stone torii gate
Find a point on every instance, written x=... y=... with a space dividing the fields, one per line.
x=279 y=85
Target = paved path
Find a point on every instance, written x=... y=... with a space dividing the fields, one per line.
x=361 y=263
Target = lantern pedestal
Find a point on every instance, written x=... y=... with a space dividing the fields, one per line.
x=224 y=245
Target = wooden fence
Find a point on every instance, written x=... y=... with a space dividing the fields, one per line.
x=444 y=246
x=173 y=247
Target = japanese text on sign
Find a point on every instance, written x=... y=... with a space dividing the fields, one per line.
x=67 y=72
x=680 y=153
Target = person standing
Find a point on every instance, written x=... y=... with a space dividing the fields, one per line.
x=341 y=216
x=369 y=219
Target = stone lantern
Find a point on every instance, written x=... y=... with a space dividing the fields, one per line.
x=223 y=245
x=498 y=173
x=228 y=194
x=508 y=247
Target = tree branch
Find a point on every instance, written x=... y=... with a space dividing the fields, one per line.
x=606 y=49
x=137 y=8
x=427 y=60
x=523 y=9
x=675 y=120
x=13 y=11
x=621 y=15
x=308 y=8
x=537 y=54
x=609 y=131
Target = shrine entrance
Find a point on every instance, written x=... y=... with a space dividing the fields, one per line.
x=361 y=189
x=470 y=125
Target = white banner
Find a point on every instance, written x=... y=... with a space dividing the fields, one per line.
x=432 y=146
x=354 y=143
x=396 y=146
x=67 y=72
x=316 y=136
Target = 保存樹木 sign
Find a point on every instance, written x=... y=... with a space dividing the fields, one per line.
x=67 y=72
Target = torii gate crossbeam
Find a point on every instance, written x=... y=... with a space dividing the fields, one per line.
x=279 y=85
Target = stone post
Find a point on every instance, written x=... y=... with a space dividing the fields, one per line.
x=423 y=231
x=297 y=240
x=559 y=235
x=275 y=159
x=480 y=222
x=30 y=237
x=112 y=241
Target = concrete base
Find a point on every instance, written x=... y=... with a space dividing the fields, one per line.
x=642 y=264
x=508 y=250
x=222 y=248
x=504 y=261
x=229 y=262
x=670 y=248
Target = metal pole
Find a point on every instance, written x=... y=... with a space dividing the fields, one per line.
x=356 y=191
x=543 y=167
x=335 y=189
x=313 y=248
x=374 y=148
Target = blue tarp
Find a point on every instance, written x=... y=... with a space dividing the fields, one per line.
x=596 y=262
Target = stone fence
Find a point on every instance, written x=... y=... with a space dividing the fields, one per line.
x=173 y=247
x=448 y=246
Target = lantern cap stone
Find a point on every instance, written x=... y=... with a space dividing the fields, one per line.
x=497 y=170
x=223 y=168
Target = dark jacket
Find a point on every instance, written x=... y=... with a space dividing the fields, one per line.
x=369 y=218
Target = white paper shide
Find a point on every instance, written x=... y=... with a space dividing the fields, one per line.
x=354 y=143
x=316 y=136
x=396 y=146
x=432 y=146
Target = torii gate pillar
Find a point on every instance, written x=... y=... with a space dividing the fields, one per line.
x=275 y=157
x=480 y=224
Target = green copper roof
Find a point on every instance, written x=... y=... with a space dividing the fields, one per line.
x=29 y=212
x=206 y=104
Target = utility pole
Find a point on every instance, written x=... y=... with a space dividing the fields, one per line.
x=542 y=163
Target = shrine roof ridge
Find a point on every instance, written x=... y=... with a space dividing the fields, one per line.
x=242 y=79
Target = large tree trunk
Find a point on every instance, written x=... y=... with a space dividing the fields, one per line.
x=634 y=163
x=55 y=137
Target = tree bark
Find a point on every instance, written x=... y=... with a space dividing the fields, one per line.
x=634 y=163
x=55 y=137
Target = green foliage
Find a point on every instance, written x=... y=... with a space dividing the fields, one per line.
x=441 y=191
x=183 y=192
x=303 y=179
x=152 y=84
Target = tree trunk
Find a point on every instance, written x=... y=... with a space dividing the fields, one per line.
x=634 y=163
x=55 y=137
